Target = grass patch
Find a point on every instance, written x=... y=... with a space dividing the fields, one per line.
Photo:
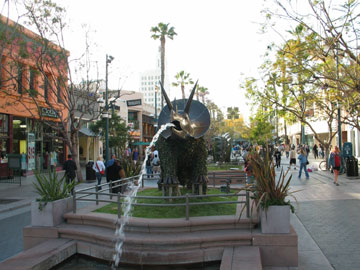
x=177 y=211
x=223 y=167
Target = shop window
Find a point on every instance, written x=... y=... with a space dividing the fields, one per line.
x=4 y=123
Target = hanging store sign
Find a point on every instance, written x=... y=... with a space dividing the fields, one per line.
x=134 y=102
x=48 y=112
x=31 y=151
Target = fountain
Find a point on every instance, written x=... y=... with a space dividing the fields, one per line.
x=183 y=123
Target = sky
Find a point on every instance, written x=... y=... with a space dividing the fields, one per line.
x=217 y=42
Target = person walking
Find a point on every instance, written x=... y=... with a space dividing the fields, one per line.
x=292 y=158
x=315 y=151
x=303 y=162
x=277 y=155
x=99 y=169
x=335 y=162
x=135 y=155
x=149 y=170
x=70 y=169
x=287 y=150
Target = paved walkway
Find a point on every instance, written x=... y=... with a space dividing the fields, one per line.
x=327 y=217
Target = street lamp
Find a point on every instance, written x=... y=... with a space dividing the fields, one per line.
x=106 y=115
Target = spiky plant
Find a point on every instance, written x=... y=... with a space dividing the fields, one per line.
x=51 y=189
x=268 y=191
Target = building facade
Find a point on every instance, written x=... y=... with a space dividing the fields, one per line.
x=31 y=94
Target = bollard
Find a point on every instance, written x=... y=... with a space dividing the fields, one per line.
x=97 y=194
x=74 y=202
x=119 y=205
x=187 y=206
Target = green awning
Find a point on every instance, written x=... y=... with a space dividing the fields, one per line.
x=141 y=143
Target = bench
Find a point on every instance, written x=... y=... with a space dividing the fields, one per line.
x=231 y=176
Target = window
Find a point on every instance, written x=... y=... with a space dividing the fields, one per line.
x=46 y=87
x=20 y=79
x=32 y=81
x=58 y=88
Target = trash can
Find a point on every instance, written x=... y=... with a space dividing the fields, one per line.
x=352 y=166
x=90 y=173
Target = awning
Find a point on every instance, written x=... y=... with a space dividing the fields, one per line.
x=141 y=143
x=87 y=132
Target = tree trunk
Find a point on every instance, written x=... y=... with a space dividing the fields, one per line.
x=183 y=91
x=75 y=154
x=162 y=56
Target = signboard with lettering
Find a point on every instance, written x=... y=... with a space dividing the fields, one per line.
x=31 y=151
x=49 y=112
x=347 y=149
x=133 y=102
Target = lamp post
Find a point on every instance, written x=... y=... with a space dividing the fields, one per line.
x=338 y=104
x=109 y=58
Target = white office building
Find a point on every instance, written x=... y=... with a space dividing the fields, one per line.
x=150 y=86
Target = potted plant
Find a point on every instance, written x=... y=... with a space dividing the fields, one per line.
x=55 y=199
x=270 y=194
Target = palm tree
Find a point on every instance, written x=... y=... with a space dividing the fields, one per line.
x=182 y=78
x=203 y=91
x=162 y=31
x=233 y=113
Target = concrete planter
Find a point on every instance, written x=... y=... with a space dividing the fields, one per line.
x=276 y=219
x=52 y=214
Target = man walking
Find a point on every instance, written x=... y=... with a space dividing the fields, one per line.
x=70 y=170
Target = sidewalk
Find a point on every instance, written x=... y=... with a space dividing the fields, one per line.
x=327 y=217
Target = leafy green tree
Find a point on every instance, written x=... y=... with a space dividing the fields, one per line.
x=202 y=92
x=183 y=78
x=233 y=113
x=261 y=129
x=118 y=132
x=162 y=31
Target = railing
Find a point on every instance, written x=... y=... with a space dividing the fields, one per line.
x=83 y=194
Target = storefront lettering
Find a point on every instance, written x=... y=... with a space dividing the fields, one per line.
x=134 y=102
x=49 y=112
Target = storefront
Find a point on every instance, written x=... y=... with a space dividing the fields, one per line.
x=31 y=138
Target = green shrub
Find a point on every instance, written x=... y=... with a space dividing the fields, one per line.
x=51 y=189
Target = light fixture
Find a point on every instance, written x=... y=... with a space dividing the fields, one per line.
x=22 y=126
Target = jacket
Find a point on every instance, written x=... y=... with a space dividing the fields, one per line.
x=303 y=159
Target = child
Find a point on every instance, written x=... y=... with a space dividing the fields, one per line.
x=249 y=174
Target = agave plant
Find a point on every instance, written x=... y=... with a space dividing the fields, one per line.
x=51 y=189
x=130 y=168
x=268 y=191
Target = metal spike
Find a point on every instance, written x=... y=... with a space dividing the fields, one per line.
x=188 y=103
x=166 y=97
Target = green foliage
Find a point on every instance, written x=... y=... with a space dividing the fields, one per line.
x=118 y=131
x=51 y=189
x=177 y=211
x=268 y=191
x=260 y=128
x=130 y=168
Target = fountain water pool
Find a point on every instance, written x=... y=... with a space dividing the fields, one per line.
x=132 y=191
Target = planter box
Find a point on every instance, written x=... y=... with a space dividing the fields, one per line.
x=276 y=219
x=52 y=214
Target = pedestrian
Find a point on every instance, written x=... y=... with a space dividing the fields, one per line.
x=335 y=162
x=115 y=172
x=155 y=164
x=292 y=158
x=315 y=151
x=277 y=156
x=70 y=169
x=149 y=170
x=322 y=151
x=53 y=160
x=303 y=162
x=99 y=169
x=249 y=174
x=135 y=155
x=287 y=150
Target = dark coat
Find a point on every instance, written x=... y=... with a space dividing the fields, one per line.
x=70 y=169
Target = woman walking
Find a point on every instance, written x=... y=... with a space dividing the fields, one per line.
x=303 y=162
x=335 y=162
x=99 y=168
